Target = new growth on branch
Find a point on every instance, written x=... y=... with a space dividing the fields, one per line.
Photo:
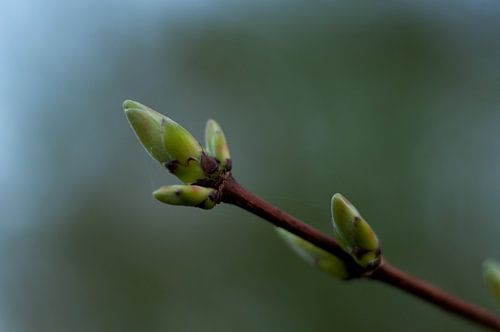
x=353 y=252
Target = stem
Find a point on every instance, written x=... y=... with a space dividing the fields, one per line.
x=232 y=192
x=391 y=275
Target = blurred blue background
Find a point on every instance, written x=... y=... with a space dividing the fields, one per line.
x=395 y=104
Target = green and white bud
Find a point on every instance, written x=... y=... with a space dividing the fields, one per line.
x=166 y=141
x=187 y=195
x=147 y=126
x=491 y=274
x=317 y=257
x=353 y=233
x=216 y=144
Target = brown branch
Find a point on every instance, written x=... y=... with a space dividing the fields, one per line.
x=233 y=193
x=391 y=275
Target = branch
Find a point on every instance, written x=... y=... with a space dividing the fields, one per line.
x=233 y=193
x=391 y=275
x=208 y=181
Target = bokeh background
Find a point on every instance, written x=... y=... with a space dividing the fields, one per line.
x=395 y=104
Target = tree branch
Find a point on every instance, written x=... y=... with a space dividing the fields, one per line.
x=391 y=275
x=233 y=193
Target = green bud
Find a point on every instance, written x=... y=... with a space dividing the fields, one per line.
x=353 y=233
x=187 y=195
x=147 y=126
x=179 y=143
x=317 y=257
x=491 y=274
x=216 y=144
x=166 y=141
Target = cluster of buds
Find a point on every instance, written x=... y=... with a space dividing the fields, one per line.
x=176 y=149
x=352 y=233
x=201 y=170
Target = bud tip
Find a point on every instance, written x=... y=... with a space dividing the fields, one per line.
x=129 y=104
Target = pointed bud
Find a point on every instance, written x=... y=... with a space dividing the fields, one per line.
x=315 y=256
x=491 y=274
x=186 y=195
x=354 y=234
x=147 y=126
x=216 y=144
x=166 y=141
x=179 y=142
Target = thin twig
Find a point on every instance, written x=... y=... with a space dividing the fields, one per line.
x=391 y=275
x=232 y=192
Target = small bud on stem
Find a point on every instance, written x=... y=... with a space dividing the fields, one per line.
x=353 y=233
x=317 y=257
x=216 y=145
x=186 y=195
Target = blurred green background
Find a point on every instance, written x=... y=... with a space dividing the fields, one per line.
x=395 y=104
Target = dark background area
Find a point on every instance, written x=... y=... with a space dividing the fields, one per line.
x=395 y=104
